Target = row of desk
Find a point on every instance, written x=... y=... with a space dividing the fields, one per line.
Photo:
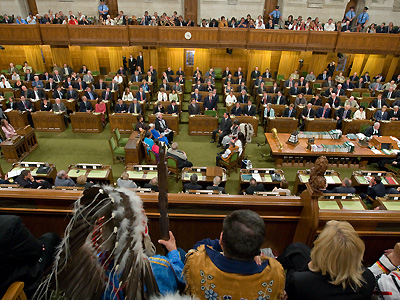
x=19 y=146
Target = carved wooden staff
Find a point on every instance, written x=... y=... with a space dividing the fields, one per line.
x=162 y=194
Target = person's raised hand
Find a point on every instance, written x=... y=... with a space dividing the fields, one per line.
x=170 y=244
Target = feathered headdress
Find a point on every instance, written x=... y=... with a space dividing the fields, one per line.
x=104 y=250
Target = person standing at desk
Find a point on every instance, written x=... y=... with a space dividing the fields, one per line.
x=7 y=128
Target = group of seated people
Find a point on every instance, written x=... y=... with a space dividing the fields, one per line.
x=332 y=269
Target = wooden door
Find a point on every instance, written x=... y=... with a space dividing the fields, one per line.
x=268 y=8
x=191 y=10
x=350 y=4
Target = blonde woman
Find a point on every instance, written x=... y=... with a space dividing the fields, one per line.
x=335 y=270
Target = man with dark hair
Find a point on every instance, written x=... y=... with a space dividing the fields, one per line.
x=26 y=180
x=227 y=266
x=223 y=129
x=192 y=185
x=254 y=187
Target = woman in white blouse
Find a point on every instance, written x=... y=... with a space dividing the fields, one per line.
x=4 y=84
x=240 y=142
x=173 y=96
x=162 y=95
x=127 y=95
x=15 y=76
x=359 y=114
x=230 y=99
x=118 y=78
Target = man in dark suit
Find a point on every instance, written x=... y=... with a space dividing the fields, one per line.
x=107 y=95
x=121 y=107
x=261 y=88
x=172 y=108
x=267 y=74
x=341 y=114
x=226 y=73
x=90 y=94
x=193 y=108
x=249 y=109
x=379 y=102
x=241 y=87
x=101 y=85
x=26 y=180
x=25 y=105
x=345 y=188
x=58 y=93
x=238 y=72
x=265 y=99
x=46 y=76
x=295 y=90
x=348 y=85
x=323 y=76
x=339 y=91
x=366 y=77
x=375 y=189
x=328 y=83
x=140 y=61
x=373 y=130
x=135 y=107
x=45 y=105
x=140 y=95
x=51 y=85
x=354 y=77
x=307 y=112
x=394 y=114
x=334 y=101
x=254 y=74
x=28 y=75
x=132 y=63
x=71 y=93
x=196 y=96
x=80 y=85
x=223 y=129
x=381 y=115
x=180 y=72
x=164 y=85
x=198 y=86
x=240 y=80
x=162 y=127
x=306 y=90
x=150 y=77
x=85 y=105
x=24 y=258
x=289 y=112
x=323 y=112
x=389 y=94
x=254 y=187
x=136 y=77
x=236 y=110
x=36 y=94
x=158 y=108
x=66 y=70
x=243 y=98
x=273 y=89
x=209 y=102
x=279 y=99
x=215 y=186
x=192 y=185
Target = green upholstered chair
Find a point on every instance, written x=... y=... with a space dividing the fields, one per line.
x=268 y=83
x=364 y=127
x=117 y=152
x=316 y=85
x=366 y=94
x=210 y=113
x=172 y=165
x=7 y=95
x=218 y=73
x=280 y=77
x=153 y=158
x=120 y=141
x=95 y=73
x=134 y=88
x=365 y=104
x=19 y=67
x=355 y=94
x=231 y=164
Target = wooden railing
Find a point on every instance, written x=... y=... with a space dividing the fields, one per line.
x=264 y=39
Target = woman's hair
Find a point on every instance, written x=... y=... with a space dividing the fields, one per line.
x=284 y=184
x=81 y=179
x=99 y=101
x=338 y=253
x=242 y=138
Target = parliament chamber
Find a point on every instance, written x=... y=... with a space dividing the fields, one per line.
x=101 y=144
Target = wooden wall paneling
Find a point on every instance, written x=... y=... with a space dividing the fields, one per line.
x=143 y=35
x=191 y=10
x=76 y=57
x=115 y=55
x=258 y=58
x=14 y=54
x=175 y=58
x=220 y=59
x=275 y=59
x=318 y=63
x=162 y=61
x=374 y=64
x=277 y=39
x=153 y=60
x=269 y=6
x=289 y=63
x=33 y=56
x=32 y=6
x=19 y=35
x=55 y=34
x=202 y=59
x=322 y=41
x=61 y=55
x=103 y=56
x=232 y=37
x=112 y=7
x=89 y=58
x=201 y=37
x=98 y=35
x=353 y=42
x=358 y=63
x=48 y=57
x=392 y=68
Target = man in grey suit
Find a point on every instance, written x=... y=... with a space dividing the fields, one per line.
x=63 y=179
x=193 y=108
x=223 y=129
x=59 y=106
x=135 y=107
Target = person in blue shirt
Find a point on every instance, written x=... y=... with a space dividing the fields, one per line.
x=276 y=15
x=363 y=18
x=350 y=14
x=21 y=21
x=103 y=9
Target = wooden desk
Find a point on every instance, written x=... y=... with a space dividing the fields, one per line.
x=15 y=149
x=48 y=121
x=101 y=174
x=134 y=151
x=390 y=128
x=84 y=122
x=360 y=179
x=302 y=176
x=30 y=137
x=282 y=125
x=18 y=119
x=141 y=174
x=202 y=125
x=33 y=167
x=354 y=126
x=318 y=125
x=171 y=120
x=247 y=119
x=202 y=178
x=299 y=156
x=264 y=177
x=123 y=121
